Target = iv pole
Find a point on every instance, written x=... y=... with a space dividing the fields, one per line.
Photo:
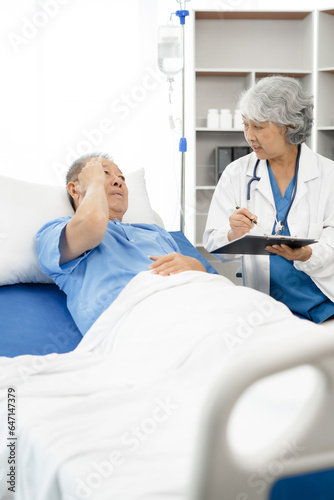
x=181 y=14
x=183 y=141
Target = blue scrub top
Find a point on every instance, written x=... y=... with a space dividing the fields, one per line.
x=94 y=280
x=288 y=285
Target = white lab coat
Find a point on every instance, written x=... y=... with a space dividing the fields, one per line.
x=311 y=215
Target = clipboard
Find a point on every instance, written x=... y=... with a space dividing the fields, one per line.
x=253 y=244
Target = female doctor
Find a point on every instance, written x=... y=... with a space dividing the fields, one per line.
x=282 y=188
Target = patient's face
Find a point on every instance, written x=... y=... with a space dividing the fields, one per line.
x=114 y=185
x=116 y=189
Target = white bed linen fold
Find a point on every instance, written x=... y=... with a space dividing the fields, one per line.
x=117 y=418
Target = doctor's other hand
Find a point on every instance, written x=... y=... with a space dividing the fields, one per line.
x=241 y=222
x=174 y=263
x=303 y=253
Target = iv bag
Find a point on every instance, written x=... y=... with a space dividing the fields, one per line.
x=170 y=49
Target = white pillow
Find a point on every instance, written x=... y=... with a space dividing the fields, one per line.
x=25 y=207
x=139 y=209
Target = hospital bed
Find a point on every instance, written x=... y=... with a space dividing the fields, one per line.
x=68 y=448
x=34 y=319
x=33 y=312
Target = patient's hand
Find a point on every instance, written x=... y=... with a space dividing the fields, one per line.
x=92 y=172
x=174 y=263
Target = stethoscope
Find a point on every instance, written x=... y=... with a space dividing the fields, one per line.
x=254 y=178
x=280 y=225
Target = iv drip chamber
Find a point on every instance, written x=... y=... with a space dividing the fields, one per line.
x=170 y=50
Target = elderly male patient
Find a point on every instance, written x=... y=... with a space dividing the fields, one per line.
x=93 y=255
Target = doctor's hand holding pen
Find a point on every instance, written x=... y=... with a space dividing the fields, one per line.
x=241 y=222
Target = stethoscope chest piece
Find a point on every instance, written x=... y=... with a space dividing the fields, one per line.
x=280 y=226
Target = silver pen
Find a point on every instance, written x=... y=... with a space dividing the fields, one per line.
x=253 y=220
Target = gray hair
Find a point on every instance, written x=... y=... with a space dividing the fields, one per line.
x=281 y=100
x=76 y=167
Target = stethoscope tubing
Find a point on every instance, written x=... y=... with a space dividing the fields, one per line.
x=256 y=178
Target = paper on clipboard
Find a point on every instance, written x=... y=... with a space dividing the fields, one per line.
x=252 y=244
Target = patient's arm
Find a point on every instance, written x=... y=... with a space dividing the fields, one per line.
x=174 y=263
x=87 y=227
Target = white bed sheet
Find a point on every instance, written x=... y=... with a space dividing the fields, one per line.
x=118 y=418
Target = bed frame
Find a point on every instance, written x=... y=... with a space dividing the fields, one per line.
x=299 y=462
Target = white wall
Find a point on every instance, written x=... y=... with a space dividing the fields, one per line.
x=80 y=75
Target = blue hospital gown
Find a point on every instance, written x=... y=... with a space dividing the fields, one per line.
x=94 y=280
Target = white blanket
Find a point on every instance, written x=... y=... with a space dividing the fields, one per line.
x=118 y=418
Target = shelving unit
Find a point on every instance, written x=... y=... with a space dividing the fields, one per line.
x=230 y=51
x=325 y=78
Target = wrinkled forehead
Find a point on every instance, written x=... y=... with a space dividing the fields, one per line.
x=108 y=164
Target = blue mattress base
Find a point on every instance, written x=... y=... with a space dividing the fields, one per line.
x=318 y=485
x=35 y=320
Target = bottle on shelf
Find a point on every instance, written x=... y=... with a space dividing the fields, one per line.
x=225 y=119
x=237 y=119
x=213 y=118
